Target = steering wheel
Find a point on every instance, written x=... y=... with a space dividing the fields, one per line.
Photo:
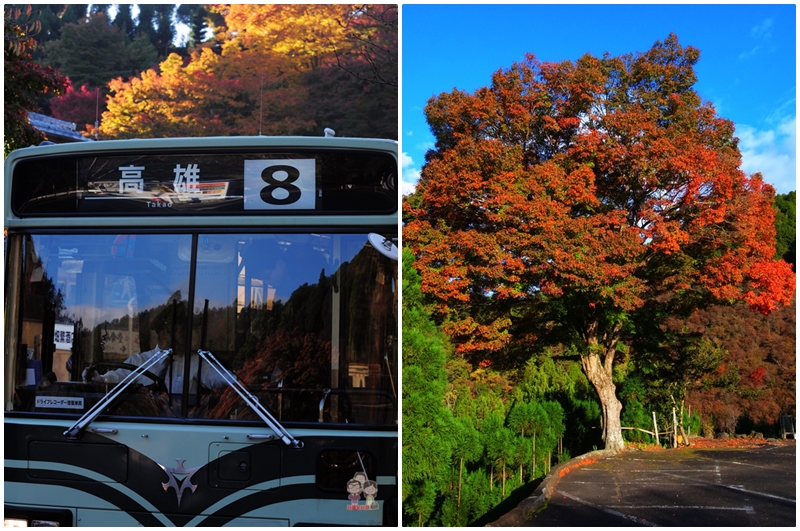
x=158 y=382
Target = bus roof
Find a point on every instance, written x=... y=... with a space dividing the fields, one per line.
x=200 y=142
x=196 y=145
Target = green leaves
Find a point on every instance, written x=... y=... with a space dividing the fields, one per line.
x=428 y=427
x=785 y=224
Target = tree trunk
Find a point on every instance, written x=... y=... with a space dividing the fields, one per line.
x=460 y=471
x=504 y=479
x=599 y=374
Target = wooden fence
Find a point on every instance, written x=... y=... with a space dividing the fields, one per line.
x=670 y=434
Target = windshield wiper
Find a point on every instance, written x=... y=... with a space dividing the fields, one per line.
x=74 y=431
x=250 y=400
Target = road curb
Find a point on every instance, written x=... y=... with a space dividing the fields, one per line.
x=545 y=490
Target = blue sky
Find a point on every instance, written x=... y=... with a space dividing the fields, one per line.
x=746 y=68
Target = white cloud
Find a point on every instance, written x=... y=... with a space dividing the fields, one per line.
x=408 y=188
x=410 y=173
x=763 y=30
x=762 y=34
x=751 y=53
x=773 y=152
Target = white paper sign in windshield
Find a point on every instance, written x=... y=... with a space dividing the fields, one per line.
x=276 y=184
x=62 y=335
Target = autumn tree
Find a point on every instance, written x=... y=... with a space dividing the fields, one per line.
x=346 y=53
x=211 y=95
x=25 y=80
x=756 y=377
x=356 y=94
x=350 y=106
x=566 y=198
x=305 y=32
x=272 y=70
x=368 y=50
x=51 y=18
x=359 y=39
x=81 y=107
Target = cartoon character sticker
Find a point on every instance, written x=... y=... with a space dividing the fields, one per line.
x=359 y=485
x=370 y=490
x=354 y=488
x=361 y=477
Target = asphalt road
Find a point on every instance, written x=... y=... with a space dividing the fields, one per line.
x=688 y=487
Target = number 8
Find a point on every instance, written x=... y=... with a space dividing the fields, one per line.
x=268 y=175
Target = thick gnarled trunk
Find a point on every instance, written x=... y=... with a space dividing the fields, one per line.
x=599 y=374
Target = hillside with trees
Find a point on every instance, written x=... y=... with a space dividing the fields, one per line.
x=25 y=81
x=239 y=70
x=591 y=254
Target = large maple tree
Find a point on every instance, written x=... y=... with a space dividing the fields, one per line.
x=565 y=198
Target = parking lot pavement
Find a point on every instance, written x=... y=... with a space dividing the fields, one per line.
x=686 y=487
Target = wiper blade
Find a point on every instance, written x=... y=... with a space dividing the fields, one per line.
x=250 y=400
x=89 y=416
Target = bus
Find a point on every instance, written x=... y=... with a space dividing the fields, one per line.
x=202 y=332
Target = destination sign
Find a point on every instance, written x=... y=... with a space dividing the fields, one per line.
x=304 y=181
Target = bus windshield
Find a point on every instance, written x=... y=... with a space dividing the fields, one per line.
x=202 y=331
x=306 y=321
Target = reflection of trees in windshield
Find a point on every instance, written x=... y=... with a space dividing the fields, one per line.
x=285 y=351
x=308 y=311
x=48 y=299
x=288 y=359
x=43 y=306
x=287 y=346
x=41 y=285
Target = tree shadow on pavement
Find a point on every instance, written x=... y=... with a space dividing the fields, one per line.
x=514 y=499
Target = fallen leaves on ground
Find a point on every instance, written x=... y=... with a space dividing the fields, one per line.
x=708 y=442
x=564 y=471
x=734 y=442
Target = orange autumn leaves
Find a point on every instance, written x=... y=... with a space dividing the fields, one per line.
x=567 y=469
x=600 y=184
x=270 y=69
x=211 y=95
